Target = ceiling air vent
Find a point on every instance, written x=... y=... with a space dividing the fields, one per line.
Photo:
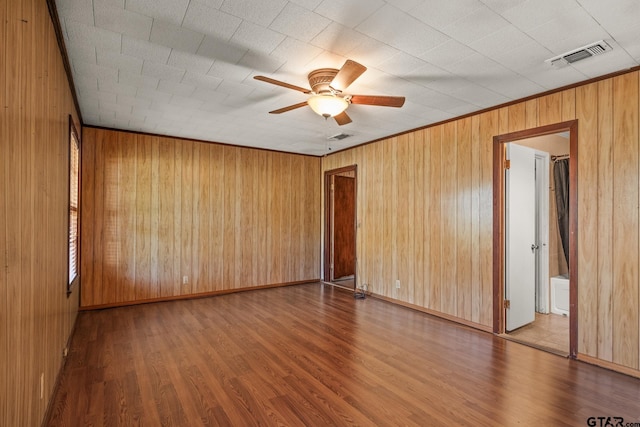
x=338 y=137
x=579 y=54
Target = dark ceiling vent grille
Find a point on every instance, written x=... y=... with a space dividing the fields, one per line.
x=579 y=54
x=338 y=137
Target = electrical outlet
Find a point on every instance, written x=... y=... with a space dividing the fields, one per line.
x=185 y=280
x=398 y=284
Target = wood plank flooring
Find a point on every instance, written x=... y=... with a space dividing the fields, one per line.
x=313 y=355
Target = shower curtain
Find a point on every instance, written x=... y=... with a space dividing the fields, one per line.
x=561 y=182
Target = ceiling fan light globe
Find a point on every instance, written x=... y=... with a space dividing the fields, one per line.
x=327 y=105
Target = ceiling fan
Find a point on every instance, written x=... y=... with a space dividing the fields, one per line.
x=328 y=99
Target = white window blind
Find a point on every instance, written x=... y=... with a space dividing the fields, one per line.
x=74 y=186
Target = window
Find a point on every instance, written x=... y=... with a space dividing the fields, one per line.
x=74 y=197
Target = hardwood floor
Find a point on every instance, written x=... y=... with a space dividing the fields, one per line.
x=313 y=355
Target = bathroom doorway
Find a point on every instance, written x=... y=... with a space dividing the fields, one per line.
x=540 y=316
x=532 y=292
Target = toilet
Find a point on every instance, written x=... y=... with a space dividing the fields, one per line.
x=560 y=295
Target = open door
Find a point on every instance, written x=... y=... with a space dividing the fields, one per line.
x=340 y=198
x=344 y=235
x=520 y=236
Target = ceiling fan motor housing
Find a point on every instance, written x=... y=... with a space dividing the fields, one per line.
x=320 y=79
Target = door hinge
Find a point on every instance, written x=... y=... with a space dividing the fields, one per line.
x=507 y=303
x=507 y=164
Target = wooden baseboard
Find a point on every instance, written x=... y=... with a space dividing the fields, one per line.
x=445 y=316
x=608 y=365
x=194 y=296
x=56 y=384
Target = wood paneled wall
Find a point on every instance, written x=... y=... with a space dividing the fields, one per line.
x=36 y=317
x=425 y=212
x=157 y=209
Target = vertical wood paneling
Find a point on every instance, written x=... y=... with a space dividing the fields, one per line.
x=420 y=220
x=202 y=279
x=194 y=192
x=4 y=176
x=37 y=317
x=435 y=213
x=476 y=277
x=166 y=199
x=99 y=220
x=216 y=233
x=625 y=220
x=297 y=220
x=229 y=239
x=89 y=179
x=605 y=193
x=24 y=243
x=241 y=216
x=463 y=219
x=517 y=117
x=549 y=110
x=176 y=203
x=404 y=216
x=154 y=286
x=286 y=237
x=457 y=172
x=110 y=238
x=314 y=197
x=223 y=217
x=260 y=221
x=388 y=208
x=376 y=198
x=187 y=192
x=127 y=218
x=276 y=218
x=490 y=124
x=426 y=219
x=143 y=217
x=246 y=218
x=587 y=114
x=568 y=105
x=531 y=108
x=449 y=209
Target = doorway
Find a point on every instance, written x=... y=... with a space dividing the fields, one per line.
x=527 y=290
x=340 y=227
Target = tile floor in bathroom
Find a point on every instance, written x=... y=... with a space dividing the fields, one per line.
x=548 y=331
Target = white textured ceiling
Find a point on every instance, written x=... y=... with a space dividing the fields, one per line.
x=185 y=67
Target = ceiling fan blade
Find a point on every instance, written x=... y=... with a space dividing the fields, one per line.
x=283 y=84
x=289 y=108
x=350 y=71
x=342 y=118
x=382 y=101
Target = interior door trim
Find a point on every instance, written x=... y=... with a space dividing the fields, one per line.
x=499 y=142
